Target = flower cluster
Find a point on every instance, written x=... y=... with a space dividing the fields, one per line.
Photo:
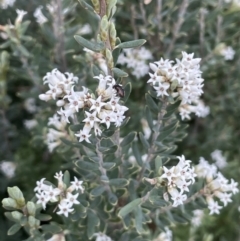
x=7 y=3
x=164 y=236
x=183 y=80
x=63 y=195
x=105 y=109
x=219 y=159
x=197 y=217
x=178 y=178
x=216 y=185
x=8 y=168
x=135 y=59
x=102 y=237
x=54 y=135
x=228 y=53
x=40 y=18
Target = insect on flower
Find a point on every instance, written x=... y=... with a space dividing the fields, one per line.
x=119 y=90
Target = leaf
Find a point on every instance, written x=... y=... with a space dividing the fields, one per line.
x=149 y=117
x=131 y=44
x=43 y=217
x=95 y=70
x=129 y=207
x=109 y=165
x=137 y=154
x=90 y=166
x=86 y=5
x=127 y=90
x=119 y=73
x=96 y=47
x=66 y=178
x=144 y=141
x=165 y=133
x=107 y=146
x=113 y=199
x=97 y=191
x=51 y=228
x=15 y=228
x=138 y=220
x=128 y=139
x=158 y=165
x=118 y=182
x=151 y=103
x=92 y=221
x=156 y=200
x=171 y=109
x=116 y=52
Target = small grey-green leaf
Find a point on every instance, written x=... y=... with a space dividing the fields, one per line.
x=96 y=47
x=51 y=228
x=97 y=191
x=158 y=165
x=127 y=90
x=128 y=139
x=66 y=178
x=15 y=228
x=43 y=217
x=131 y=44
x=119 y=73
x=119 y=182
x=151 y=103
x=109 y=165
x=144 y=141
x=86 y=5
x=129 y=207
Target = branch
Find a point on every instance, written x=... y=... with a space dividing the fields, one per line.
x=177 y=25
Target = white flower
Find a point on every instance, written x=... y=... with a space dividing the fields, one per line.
x=164 y=236
x=77 y=185
x=168 y=173
x=102 y=237
x=30 y=124
x=228 y=53
x=91 y=118
x=42 y=199
x=41 y=186
x=135 y=59
x=7 y=3
x=83 y=136
x=65 y=208
x=59 y=176
x=72 y=199
x=214 y=207
x=40 y=18
x=52 y=193
x=20 y=15
x=8 y=168
x=30 y=105
x=197 y=217
x=219 y=159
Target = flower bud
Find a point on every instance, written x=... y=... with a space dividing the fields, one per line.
x=109 y=58
x=60 y=103
x=16 y=215
x=104 y=28
x=96 y=6
x=31 y=221
x=9 y=202
x=15 y=193
x=31 y=208
x=45 y=97
x=112 y=34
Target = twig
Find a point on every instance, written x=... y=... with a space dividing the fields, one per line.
x=202 y=13
x=159 y=14
x=58 y=28
x=219 y=23
x=177 y=26
x=133 y=16
x=156 y=133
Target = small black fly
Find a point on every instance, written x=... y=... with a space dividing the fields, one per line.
x=119 y=91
